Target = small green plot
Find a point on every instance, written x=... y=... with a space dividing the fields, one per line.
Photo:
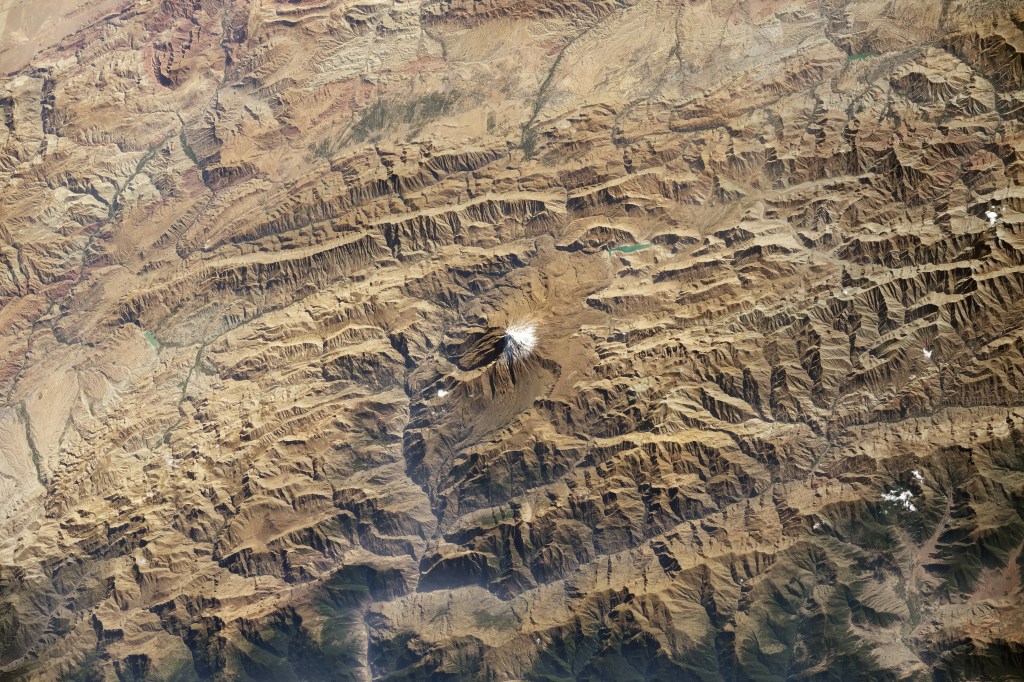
x=860 y=55
x=152 y=339
x=632 y=247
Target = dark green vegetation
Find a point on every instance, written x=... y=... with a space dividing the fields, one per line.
x=619 y=650
x=796 y=624
x=383 y=116
x=284 y=645
x=407 y=657
x=802 y=617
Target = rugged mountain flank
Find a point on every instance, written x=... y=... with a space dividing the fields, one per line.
x=257 y=259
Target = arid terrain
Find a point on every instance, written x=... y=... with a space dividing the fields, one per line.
x=258 y=414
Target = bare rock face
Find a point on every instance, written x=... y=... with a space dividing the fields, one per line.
x=259 y=418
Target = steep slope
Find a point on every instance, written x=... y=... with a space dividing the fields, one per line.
x=257 y=419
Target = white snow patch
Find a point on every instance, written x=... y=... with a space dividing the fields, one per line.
x=992 y=216
x=927 y=354
x=903 y=497
x=441 y=393
x=520 y=340
x=917 y=474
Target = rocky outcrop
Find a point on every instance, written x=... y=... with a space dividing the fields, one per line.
x=259 y=415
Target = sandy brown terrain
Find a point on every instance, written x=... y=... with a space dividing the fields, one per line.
x=256 y=417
